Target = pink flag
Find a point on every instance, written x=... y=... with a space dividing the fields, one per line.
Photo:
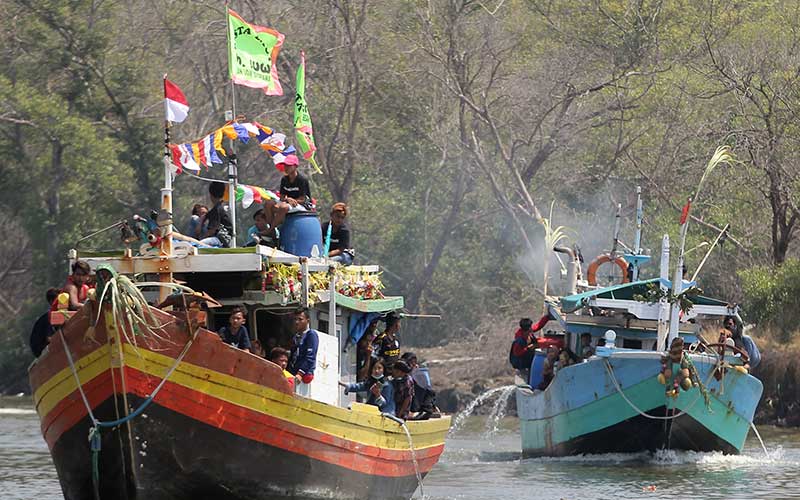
x=175 y=103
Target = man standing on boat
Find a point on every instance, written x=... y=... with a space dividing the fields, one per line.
x=525 y=342
x=304 y=352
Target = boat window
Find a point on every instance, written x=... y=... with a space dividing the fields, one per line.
x=273 y=329
x=631 y=344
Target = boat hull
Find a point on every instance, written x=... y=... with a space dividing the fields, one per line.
x=223 y=425
x=582 y=411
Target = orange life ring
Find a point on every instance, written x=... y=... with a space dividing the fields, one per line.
x=591 y=272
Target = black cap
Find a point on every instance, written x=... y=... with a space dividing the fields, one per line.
x=402 y=366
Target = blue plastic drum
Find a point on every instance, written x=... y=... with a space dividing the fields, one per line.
x=300 y=232
x=537 y=367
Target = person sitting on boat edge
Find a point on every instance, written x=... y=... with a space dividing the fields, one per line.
x=376 y=386
x=42 y=330
x=295 y=192
x=262 y=232
x=197 y=223
x=305 y=344
x=236 y=333
x=280 y=357
x=402 y=388
x=742 y=341
x=219 y=232
x=423 y=404
x=338 y=241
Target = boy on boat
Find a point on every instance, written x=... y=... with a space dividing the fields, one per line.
x=42 y=330
x=220 y=228
x=77 y=286
x=423 y=404
x=262 y=232
x=280 y=357
x=523 y=348
x=305 y=343
x=236 y=333
x=295 y=193
x=339 y=249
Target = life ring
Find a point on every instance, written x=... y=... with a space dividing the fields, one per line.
x=591 y=272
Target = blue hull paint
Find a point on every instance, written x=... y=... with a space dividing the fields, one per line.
x=582 y=411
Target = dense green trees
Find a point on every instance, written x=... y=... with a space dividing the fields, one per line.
x=446 y=124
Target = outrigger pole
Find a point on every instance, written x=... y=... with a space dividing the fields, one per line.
x=165 y=274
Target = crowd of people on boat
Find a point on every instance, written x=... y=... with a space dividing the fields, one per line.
x=395 y=383
x=214 y=227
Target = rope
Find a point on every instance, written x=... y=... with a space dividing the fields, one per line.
x=610 y=371
x=94 y=433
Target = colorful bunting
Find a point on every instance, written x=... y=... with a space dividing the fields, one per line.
x=248 y=195
x=207 y=151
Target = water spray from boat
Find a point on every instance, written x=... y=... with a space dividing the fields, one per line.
x=497 y=413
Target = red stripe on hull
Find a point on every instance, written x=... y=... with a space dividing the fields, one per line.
x=243 y=422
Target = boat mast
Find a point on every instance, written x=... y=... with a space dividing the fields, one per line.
x=663 y=303
x=232 y=160
x=677 y=278
x=637 y=244
x=165 y=274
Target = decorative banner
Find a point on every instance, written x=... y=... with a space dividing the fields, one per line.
x=205 y=151
x=304 y=132
x=252 y=55
x=248 y=195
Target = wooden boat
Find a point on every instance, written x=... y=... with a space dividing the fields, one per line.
x=198 y=418
x=626 y=397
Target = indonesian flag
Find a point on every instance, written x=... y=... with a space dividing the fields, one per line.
x=175 y=103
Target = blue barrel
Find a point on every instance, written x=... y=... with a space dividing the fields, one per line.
x=537 y=367
x=300 y=232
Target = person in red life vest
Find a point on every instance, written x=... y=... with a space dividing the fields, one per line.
x=524 y=346
x=280 y=357
x=304 y=349
x=77 y=286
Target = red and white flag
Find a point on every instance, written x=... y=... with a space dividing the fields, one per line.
x=175 y=103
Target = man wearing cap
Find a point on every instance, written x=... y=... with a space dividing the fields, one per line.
x=386 y=345
x=295 y=193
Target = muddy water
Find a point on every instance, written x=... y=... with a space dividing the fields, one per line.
x=482 y=462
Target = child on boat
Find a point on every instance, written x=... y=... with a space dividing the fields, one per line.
x=236 y=333
x=376 y=386
x=387 y=345
x=402 y=389
x=295 y=192
x=262 y=232
x=339 y=249
x=280 y=357
x=77 y=286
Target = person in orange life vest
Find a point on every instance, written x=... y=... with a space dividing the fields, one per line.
x=280 y=357
x=77 y=286
x=524 y=346
x=304 y=349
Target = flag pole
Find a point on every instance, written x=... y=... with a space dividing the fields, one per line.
x=232 y=160
x=166 y=205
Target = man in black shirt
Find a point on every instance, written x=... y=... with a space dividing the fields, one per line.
x=220 y=227
x=387 y=345
x=40 y=335
x=295 y=195
x=338 y=241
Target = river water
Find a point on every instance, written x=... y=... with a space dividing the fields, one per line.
x=482 y=462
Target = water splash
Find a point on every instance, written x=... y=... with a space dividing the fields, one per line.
x=459 y=419
x=413 y=458
x=498 y=411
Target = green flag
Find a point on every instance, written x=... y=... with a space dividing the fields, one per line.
x=252 y=53
x=303 y=130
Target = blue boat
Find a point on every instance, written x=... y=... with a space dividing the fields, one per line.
x=627 y=396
